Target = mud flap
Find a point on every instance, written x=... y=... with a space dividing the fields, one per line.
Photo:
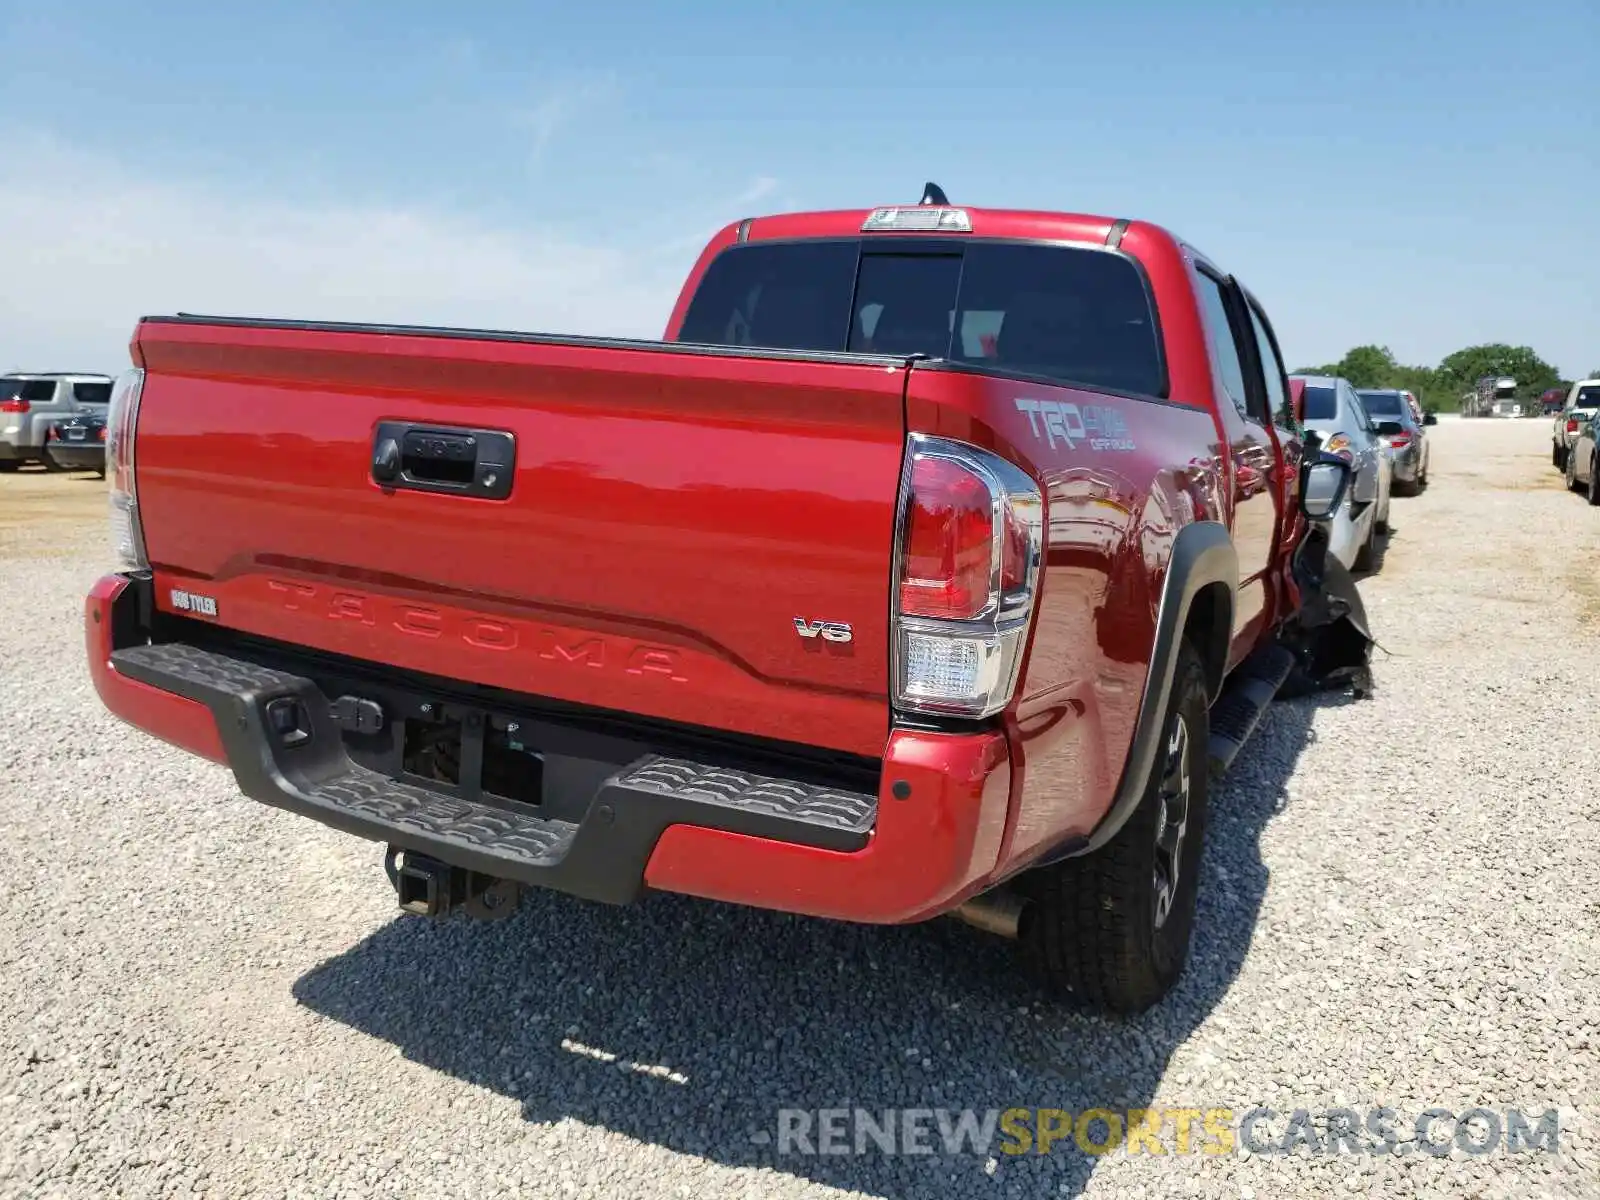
x=1329 y=636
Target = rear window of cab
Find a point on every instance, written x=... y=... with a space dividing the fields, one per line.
x=1069 y=315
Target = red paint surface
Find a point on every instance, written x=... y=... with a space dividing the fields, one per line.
x=663 y=531
x=1111 y=516
x=928 y=853
x=186 y=724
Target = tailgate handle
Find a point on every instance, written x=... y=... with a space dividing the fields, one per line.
x=443 y=459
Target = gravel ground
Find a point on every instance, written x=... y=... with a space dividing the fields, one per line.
x=1401 y=909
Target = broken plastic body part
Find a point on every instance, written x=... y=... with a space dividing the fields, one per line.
x=1329 y=635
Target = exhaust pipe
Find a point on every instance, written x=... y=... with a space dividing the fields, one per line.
x=997 y=912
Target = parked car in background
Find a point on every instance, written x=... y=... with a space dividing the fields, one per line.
x=1581 y=403
x=1331 y=407
x=1552 y=400
x=1402 y=429
x=1582 y=466
x=30 y=403
x=78 y=443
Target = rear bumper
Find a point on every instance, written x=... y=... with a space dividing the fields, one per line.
x=616 y=816
x=77 y=456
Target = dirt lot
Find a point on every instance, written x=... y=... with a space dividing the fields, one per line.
x=37 y=505
x=1401 y=908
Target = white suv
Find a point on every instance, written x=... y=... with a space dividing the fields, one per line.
x=30 y=403
x=1583 y=402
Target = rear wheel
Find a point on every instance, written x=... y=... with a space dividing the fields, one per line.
x=1567 y=470
x=1594 y=480
x=1555 y=456
x=1112 y=929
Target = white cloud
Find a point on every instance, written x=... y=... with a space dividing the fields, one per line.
x=560 y=105
x=87 y=247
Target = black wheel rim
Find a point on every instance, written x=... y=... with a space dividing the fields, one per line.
x=1172 y=820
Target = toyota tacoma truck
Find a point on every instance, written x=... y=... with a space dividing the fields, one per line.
x=930 y=564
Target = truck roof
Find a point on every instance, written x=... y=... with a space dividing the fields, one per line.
x=1010 y=223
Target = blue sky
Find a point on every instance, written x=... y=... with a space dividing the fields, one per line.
x=1425 y=175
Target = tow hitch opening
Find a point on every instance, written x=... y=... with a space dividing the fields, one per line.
x=430 y=888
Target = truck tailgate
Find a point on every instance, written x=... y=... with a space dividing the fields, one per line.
x=673 y=512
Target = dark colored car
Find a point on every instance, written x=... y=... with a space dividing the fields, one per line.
x=78 y=443
x=1394 y=414
x=1551 y=400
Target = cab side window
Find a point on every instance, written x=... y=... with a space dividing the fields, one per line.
x=1224 y=345
x=1272 y=371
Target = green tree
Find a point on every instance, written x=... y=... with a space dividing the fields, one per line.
x=1369 y=366
x=1364 y=367
x=1375 y=367
x=1462 y=370
x=1440 y=388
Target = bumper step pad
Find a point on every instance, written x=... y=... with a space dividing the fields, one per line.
x=602 y=857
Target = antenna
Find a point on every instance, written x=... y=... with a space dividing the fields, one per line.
x=932 y=193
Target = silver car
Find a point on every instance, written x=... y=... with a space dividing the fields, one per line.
x=1331 y=407
x=31 y=403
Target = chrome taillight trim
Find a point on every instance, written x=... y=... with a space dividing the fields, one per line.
x=1005 y=617
x=122 y=416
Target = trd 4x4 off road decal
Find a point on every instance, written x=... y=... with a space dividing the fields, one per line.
x=1099 y=426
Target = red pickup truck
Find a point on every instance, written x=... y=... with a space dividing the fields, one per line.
x=926 y=567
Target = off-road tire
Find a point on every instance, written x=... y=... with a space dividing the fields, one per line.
x=1089 y=929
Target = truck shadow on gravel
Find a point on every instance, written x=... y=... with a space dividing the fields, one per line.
x=689 y=1025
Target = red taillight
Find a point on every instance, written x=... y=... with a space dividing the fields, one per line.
x=971 y=549
x=1399 y=441
x=949 y=542
x=100 y=434
x=51 y=434
x=15 y=406
x=1572 y=425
